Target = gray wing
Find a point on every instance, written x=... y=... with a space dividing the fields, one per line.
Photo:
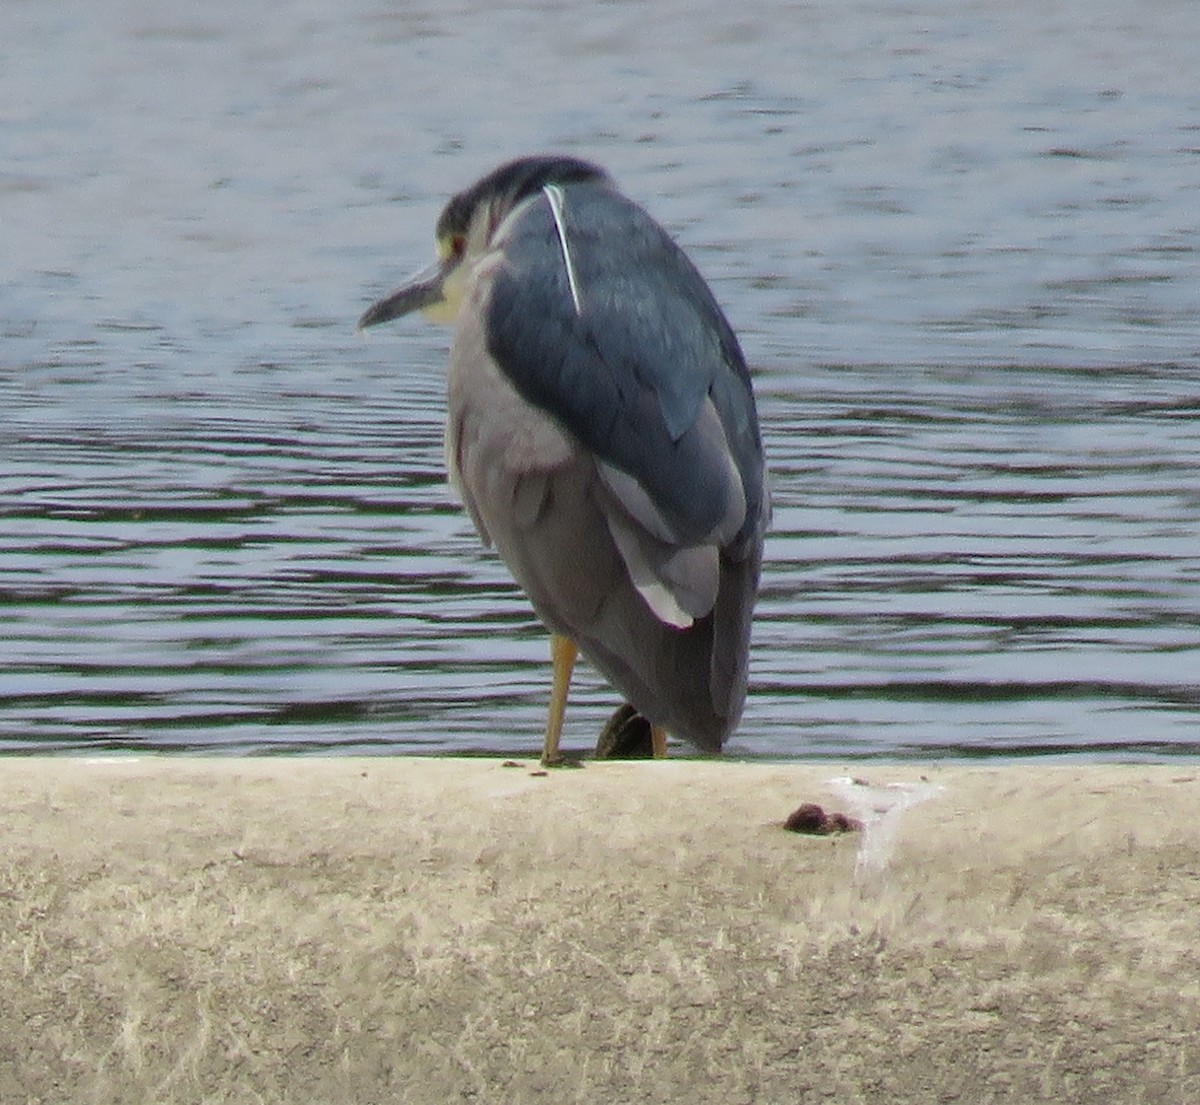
x=647 y=374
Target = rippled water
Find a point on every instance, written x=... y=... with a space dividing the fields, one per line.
x=960 y=245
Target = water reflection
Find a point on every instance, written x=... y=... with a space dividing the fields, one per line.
x=961 y=256
x=991 y=561
x=960 y=561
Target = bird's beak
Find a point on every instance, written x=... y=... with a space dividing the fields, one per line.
x=421 y=291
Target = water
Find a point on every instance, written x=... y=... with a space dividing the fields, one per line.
x=959 y=242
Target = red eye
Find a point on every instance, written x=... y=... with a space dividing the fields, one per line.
x=458 y=245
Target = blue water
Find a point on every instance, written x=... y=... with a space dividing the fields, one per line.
x=961 y=243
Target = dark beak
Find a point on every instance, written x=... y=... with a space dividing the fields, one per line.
x=415 y=294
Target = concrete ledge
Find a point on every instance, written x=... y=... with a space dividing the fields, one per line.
x=388 y=930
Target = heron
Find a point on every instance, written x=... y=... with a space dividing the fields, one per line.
x=602 y=434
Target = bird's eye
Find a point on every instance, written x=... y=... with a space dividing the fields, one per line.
x=458 y=246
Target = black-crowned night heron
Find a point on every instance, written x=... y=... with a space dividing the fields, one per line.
x=603 y=435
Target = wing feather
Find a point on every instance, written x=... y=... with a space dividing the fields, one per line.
x=598 y=318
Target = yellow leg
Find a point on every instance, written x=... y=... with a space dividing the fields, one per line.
x=562 y=653
x=658 y=742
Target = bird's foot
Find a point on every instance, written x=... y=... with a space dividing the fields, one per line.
x=626 y=736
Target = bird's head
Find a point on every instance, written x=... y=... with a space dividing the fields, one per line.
x=466 y=229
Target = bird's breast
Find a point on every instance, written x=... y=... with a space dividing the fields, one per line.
x=499 y=447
